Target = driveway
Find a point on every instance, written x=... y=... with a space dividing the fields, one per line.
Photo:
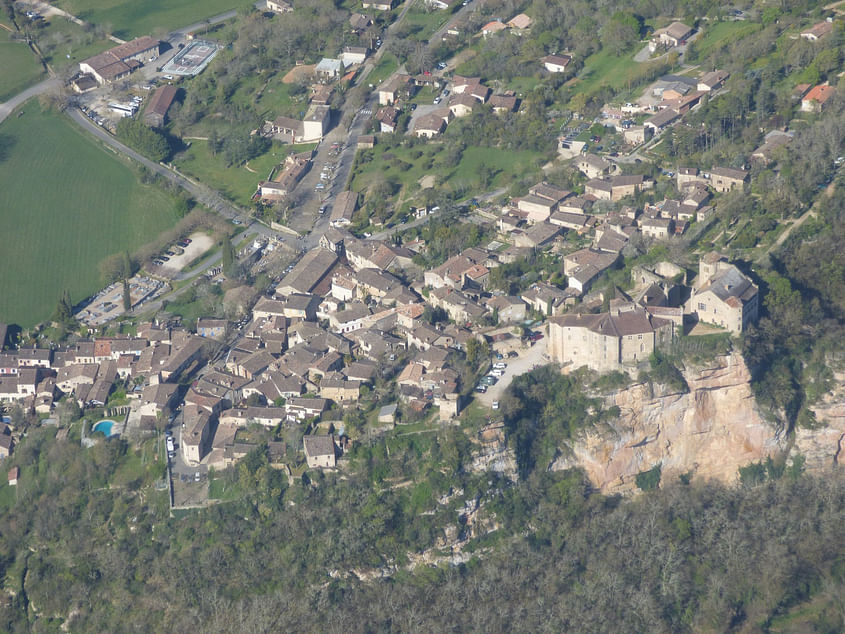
x=526 y=361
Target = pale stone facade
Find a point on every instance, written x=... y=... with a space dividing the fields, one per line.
x=623 y=337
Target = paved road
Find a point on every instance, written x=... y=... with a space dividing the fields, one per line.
x=199 y=25
x=201 y=193
x=33 y=91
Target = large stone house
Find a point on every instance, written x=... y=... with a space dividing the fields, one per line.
x=724 y=296
x=616 y=340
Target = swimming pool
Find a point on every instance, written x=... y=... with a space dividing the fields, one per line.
x=106 y=427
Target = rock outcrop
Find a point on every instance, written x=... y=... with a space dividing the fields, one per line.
x=709 y=432
x=825 y=445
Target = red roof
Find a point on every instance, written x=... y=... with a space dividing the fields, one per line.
x=819 y=94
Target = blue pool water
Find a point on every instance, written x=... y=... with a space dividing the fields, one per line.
x=104 y=426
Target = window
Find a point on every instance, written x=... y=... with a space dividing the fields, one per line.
x=702 y=306
x=639 y=336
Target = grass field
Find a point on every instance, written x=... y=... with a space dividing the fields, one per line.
x=721 y=33
x=20 y=68
x=605 y=68
x=238 y=183
x=385 y=67
x=421 y=25
x=132 y=19
x=64 y=43
x=505 y=165
x=65 y=204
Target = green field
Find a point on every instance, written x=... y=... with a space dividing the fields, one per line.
x=384 y=69
x=606 y=68
x=238 y=183
x=65 y=204
x=64 y=43
x=721 y=33
x=20 y=68
x=398 y=165
x=125 y=18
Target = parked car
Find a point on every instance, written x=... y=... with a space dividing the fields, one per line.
x=495 y=404
x=170 y=446
x=501 y=365
x=197 y=476
x=513 y=354
x=163 y=258
x=481 y=389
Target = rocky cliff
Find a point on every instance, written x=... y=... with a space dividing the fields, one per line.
x=710 y=431
x=823 y=447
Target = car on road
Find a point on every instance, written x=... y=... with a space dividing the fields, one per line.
x=436 y=100
x=322 y=209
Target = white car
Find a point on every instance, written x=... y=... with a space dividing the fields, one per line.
x=501 y=365
x=170 y=446
x=495 y=404
x=498 y=373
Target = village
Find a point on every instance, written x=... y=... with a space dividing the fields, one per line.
x=356 y=335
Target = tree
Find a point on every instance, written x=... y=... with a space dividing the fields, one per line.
x=620 y=32
x=127 y=298
x=64 y=308
x=144 y=139
x=228 y=254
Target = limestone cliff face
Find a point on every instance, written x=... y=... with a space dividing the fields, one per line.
x=823 y=447
x=710 y=431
